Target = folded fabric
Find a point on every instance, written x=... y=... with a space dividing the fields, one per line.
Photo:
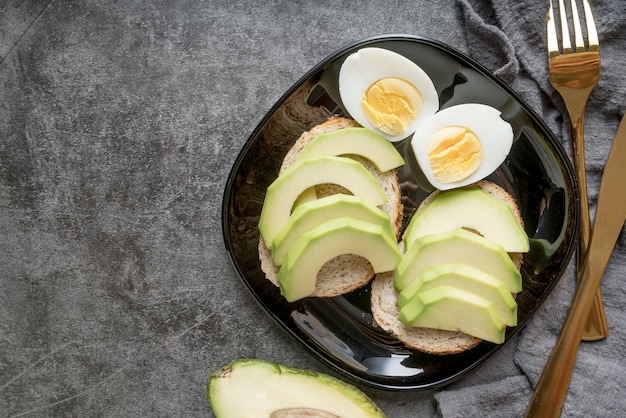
x=508 y=37
x=506 y=398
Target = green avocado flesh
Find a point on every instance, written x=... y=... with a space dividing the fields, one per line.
x=465 y=277
x=457 y=246
x=452 y=309
x=302 y=175
x=298 y=274
x=257 y=388
x=469 y=208
x=359 y=141
x=311 y=214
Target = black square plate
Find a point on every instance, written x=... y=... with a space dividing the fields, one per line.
x=339 y=331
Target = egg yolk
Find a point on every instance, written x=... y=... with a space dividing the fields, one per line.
x=391 y=104
x=455 y=153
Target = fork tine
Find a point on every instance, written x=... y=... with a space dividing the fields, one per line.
x=553 y=43
x=567 y=45
x=578 y=33
x=592 y=34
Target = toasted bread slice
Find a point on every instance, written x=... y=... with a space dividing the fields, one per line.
x=433 y=341
x=346 y=272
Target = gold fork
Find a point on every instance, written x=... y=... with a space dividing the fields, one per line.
x=574 y=73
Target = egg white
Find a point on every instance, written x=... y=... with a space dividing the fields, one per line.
x=368 y=65
x=495 y=135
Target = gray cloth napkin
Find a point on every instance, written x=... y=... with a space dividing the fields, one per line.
x=509 y=38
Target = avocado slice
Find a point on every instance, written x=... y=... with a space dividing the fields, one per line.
x=258 y=388
x=452 y=309
x=283 y=192
x=470 y=208
x=459 y=246
x=313 y=213
x=298 y=274
x=465 y=277
x=359 y=141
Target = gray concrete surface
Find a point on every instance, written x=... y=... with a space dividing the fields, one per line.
x=119 y=123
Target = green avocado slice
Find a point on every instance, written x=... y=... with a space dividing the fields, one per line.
x=298 y=274
x=465 y=277
x=457 y=246
x=453 y=309
x=358 y=141
x=302 y=175
x=258 y=388
x=470 y=208
x=313 y=213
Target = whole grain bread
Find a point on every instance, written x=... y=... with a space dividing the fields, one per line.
x=346 y=272
x=386 y=313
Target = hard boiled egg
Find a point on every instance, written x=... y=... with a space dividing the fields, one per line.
x=386 y=92
x=462 y=144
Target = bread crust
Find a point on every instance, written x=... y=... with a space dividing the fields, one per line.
x=347 y=272
x=386 y=313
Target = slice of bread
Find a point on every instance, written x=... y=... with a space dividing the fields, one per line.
x=384 y=296
x=346 y=272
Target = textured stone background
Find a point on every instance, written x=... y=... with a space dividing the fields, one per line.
x=119 y=123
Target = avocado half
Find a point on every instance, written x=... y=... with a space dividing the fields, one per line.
x=258 y=388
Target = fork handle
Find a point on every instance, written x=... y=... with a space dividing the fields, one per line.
x=596 y=327
x=578 y=146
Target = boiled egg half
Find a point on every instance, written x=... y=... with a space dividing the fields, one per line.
x=386 y=92
x=461 y=145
